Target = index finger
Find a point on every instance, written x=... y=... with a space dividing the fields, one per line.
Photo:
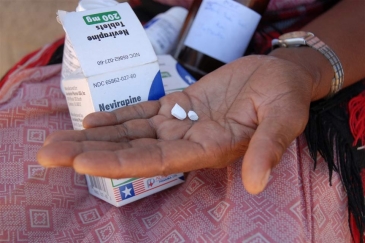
x=143 y=110
x=138 y=128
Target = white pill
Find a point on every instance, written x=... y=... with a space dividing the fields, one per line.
x=178 y=112
x=193 y=116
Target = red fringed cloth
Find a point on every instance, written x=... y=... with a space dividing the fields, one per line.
x=356 y=108
x=357 y=119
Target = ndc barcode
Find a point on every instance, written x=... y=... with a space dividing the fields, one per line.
x=98 y=183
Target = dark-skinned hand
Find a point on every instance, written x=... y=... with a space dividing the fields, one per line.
x=252 y=108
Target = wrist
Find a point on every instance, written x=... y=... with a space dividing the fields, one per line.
x=318 y=67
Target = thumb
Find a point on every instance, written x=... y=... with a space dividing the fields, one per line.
x=265 y=150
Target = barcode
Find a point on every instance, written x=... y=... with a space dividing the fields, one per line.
x=99 y=186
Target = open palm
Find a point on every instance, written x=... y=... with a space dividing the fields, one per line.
x=254 y=107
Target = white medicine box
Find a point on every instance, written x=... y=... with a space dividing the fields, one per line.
x=117 y=67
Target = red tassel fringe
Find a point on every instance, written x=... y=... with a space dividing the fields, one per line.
x=356 y=108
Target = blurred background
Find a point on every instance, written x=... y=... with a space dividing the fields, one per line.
x=27 y=25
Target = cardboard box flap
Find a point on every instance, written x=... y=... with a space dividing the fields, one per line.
x=107 y=39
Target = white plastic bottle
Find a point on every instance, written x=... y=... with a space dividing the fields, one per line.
x=70 y=63
x=164 y=29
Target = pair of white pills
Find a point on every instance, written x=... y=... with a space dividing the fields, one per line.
x=178 y=112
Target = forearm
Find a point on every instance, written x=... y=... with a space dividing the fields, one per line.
x=342 y=28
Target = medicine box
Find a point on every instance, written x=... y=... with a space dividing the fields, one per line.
x=174 y=76
x=118 y=68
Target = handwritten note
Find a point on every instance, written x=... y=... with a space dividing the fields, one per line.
x=222 y=29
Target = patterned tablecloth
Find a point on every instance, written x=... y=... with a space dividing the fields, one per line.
x=53 y=205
